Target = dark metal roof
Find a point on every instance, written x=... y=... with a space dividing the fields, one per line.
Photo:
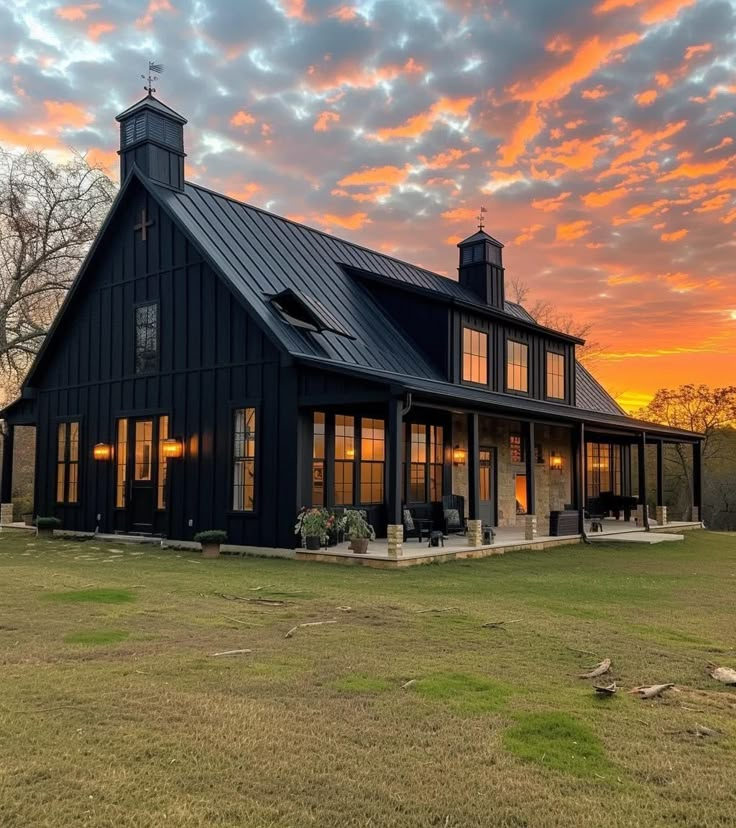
x=149 y=102
x=481 y=235
x=591 y=395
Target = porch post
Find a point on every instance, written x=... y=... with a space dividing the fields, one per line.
x=6 y=479
x=394 y=440
x=580 y=478
x=697 y=510
x=530 y=521
x=643 y=510
x=475 y=525
x=661 y=508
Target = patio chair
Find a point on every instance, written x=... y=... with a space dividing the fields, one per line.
x=453 y=514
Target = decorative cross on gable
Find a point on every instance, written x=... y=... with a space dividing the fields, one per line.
x=143 y=225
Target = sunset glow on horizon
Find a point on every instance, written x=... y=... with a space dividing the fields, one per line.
x=599 y=135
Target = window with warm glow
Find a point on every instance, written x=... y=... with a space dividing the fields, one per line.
x=418 y=463
x=163 y=463
x=516 y=449
x=436 y=461
x=121 y=463
x=372 y=458
x=475 y=356
x=244 y=459
x=555 y=376
x=67 y=463
x=598 y=468
x=344 y=459
x=318 y=458
x=517 y=366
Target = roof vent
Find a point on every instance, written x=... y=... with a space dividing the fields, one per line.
x=305 y=312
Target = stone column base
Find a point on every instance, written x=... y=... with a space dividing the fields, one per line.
x=694 y=514
x=530 y=527
x=475 y=533
x=661 y=515
x=640 y=515
x=6 y=513
x=395 y=535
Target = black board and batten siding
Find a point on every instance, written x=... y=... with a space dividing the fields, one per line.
x=212 y=358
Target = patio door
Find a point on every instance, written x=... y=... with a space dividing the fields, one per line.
x=487 y=466
x=142 y=451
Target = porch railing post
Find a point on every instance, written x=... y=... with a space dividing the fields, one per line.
x=473 y=468
x=394 y=439
x=661 y=508
x=6 y=476
x=580 y=478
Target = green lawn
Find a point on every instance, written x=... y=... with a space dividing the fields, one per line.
x=115 y=712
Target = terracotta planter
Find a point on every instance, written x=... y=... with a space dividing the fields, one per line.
x=313 y=542
x=210 y=550
x=359 y=545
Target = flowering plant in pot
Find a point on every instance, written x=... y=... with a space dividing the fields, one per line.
x=211 y=539
x=313 y=526
x=355 y=525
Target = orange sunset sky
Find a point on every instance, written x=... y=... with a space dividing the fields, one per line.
x=600 y=136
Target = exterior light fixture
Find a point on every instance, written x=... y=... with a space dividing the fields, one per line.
x=459 y=456
x=102 y=451
x=350 y=453
x=171 y=448
x=555 y=461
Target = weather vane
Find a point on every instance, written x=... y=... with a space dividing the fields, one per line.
x=480 y=217
x=154 y=70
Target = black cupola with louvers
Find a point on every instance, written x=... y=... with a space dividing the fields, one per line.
x=152 y=138
x=481 y=268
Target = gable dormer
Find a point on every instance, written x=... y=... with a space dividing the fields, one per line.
x=481 y=268
x=152 y=138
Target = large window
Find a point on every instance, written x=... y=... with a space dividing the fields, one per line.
x=475 y=356
x=244 y=459
x=517 y=366
x=555 y=376
x=318 y=459
x=418 y=463
x=372 y=458
x=436 y=461
x=67 y=463
x=121 y=464
x=604 y=469
x=344 y=459
x=146 y=338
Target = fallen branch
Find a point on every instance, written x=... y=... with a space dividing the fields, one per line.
x=232 y=652
x=236 y=620
x=439 y=609
x=308 y=624
x=725 y=675
x=598 y=670
x=499 y=625
x=408 y=684
x=608 y=690
x=649 y=692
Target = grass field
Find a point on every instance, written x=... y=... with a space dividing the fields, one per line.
x=115 y=711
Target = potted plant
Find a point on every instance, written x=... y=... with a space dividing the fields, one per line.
x=211 y=540
x=45 y=526
x=356 y=527
x=313 y=526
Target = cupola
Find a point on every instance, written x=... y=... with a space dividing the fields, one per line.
x=152 y=138
x=481 y=268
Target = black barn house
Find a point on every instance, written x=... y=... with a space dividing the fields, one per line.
x=217 y=366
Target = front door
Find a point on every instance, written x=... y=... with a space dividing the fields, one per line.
x=142 y=454
x=487 y=464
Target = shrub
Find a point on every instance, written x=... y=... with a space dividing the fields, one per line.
x=315 y=522
x=354 y=524
x=211 y=536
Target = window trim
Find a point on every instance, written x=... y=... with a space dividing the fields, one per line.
x=230 y=511
x=507 y=388
x=67 y=420
x=547 y=395
x=487 y=334
x=136 y=306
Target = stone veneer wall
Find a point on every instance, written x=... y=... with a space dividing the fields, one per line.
x=553 y=488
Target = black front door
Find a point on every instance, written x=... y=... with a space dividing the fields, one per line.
x=142 y=458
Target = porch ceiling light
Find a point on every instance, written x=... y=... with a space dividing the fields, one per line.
x=172 y=448
x=102 y=451
x=459 y=456
x=555 y=461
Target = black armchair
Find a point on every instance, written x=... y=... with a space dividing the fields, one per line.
x=453 y=514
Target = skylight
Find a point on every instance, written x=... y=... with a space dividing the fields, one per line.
x=303 y=311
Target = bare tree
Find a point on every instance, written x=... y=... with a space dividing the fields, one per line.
x=49 y=215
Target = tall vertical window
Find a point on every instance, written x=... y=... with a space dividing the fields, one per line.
x=418 y=463
x=555 y=376
x=244 y=459
x=436 y=461
x=146 y=338
x=616 y=474
x=318 y=459
x=163 y=463
x=344 y=459
x=121 y=463
x=598 y=466
x=67 y=463
x=517 y=449
x=372 y=458
x=143 y=468
x=517 y=366
x=475 y=356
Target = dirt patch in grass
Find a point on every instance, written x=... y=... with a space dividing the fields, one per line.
x=362 y=684
x=92 y=596
x=94 y=637
x=557 y=741
x=463 y=693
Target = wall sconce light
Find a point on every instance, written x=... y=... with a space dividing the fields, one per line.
x=172 y=448
x=555 y=461
x=350 y=453
x=102 y=451
x=459 y=456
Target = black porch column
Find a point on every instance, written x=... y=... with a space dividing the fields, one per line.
x=643 y=479
x=394 y=441
x=697 y=480
x=6 y=483
x=529 y=460
x=473 y=469
x=580 y=478
x=660 y=473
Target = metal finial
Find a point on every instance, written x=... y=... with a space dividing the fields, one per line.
x=480 y=217
x=154 y=70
